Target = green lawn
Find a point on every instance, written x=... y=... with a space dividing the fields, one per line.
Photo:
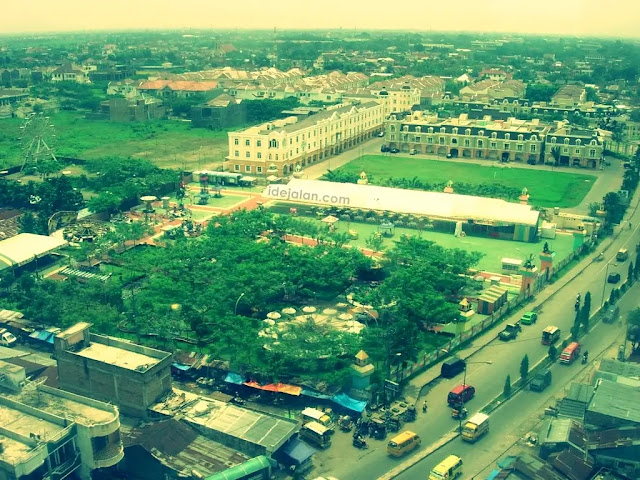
x=167 y=143
x=547 y=189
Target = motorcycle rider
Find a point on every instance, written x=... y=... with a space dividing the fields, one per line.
x=585 y=356
x=424 y=407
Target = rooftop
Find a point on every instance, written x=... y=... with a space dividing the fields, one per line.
x=616 y=400
x=432 y=204
x=22 y=248
x=258 y=428
x=117 y=356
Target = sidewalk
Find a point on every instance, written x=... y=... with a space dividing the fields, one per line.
x=415 y=387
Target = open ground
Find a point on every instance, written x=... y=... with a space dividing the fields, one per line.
x=546 y=188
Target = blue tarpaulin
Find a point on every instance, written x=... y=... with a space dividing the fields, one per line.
x=314 y=394
x=180 y=366
x=43 y=335
x=234 y=378
x=297 y=451
x=351 y=403
x=493 y=474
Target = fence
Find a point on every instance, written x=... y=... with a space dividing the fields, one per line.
x=430 y=358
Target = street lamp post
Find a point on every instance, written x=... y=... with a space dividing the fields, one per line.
x=464 y=383
x=235 y=309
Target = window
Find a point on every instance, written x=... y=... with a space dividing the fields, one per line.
x=493 y=144
x=592 y=152
x=578 y=142
x=247 y=143
x=430 y=129
x=565 y=150
x=454 y=141
x=577 y=151
x=494 y=135
x=236 y=168
x=237 y=153
x=554 y=139
x=259 y=143
x=467 y=142
x=455 y=130
x=533 y=138
x=467 y=131
x=480 y=143
x=418 y=129
x=533 y=148
x=247 y=168
x=273 y=144
x=507 y=136
x=519 y=147
x=393 y=137
x=506 y=146
x=235 y=141
x=392 y=128
x=520 y=137
x=441 y=140
x=247 y=154
x=417 y=139
x=442 y=130
x=481 y=133
x=430 y=140
x=259 y=155
x=566 y=141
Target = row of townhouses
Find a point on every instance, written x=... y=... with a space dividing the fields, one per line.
x=506 y=140
x=281 y=147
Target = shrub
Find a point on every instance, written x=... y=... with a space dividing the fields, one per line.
x=506 y=392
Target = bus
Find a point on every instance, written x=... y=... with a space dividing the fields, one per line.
x=402 y=443
x=317 y=434
x=314 y=415
x=570 y=353
x=550 y=335
x=448 y=469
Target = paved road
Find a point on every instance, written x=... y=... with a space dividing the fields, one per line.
x=523 y=412
x=489 y=379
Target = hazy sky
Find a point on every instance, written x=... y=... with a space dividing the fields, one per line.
x=570 y=17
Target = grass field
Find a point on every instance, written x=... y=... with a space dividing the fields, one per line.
x=167 y=143
x=547 y=189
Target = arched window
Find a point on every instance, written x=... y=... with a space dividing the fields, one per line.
x=393 y=128
x=467 y=131
x=481 y=133
x=520 y=137
x=566 y=141
x=418 y=129
x=534 y=138
x=507 y=136
x=554 y=139
x=494 y=135
x=430 y=129
x=455 y=130
x=578 y=142
x=442 y=129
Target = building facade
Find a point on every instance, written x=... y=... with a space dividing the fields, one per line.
x=128 y=375
x=47 y=433
x=281 y=147
x=578 y=147
x=510 y=140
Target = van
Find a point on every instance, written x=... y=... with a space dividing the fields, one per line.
x=540 y=381
x=460 y=394
x=7 y=339
x=448 y=469
x=611 y=315
x=570 y=353
x=316 y=434
x=452 y=367
x=475 y=427
x=622 y=255
x=402 y=443
x=314 y=415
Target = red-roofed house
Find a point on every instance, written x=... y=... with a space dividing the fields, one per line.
x=179 y=88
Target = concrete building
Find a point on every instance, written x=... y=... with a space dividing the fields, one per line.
x=179 y=89
x=133 y=110
x=569 y=96
x=576 y=146
x=68 y=73
x=224 y=111
x=281 y=147
x=129 y=375
x=511 y=140
x=46 y=433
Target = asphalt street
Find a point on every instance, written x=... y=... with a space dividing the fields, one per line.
x=488 y=380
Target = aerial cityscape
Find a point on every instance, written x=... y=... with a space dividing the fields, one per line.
x=320 y=242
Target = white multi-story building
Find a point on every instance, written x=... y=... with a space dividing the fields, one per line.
x=51 y=434
x=281 y=147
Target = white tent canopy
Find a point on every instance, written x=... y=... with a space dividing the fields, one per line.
x=23 y=248
x=448 y=206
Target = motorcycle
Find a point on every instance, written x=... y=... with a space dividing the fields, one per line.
x=585 y=358
x=360 y=442
x=459 y=414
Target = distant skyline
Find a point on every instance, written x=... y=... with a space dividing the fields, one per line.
x=610 y=18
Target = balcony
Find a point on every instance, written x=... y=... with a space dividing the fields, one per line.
x=109 y=455
x=65 y=469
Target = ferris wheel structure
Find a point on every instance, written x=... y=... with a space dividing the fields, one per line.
x=37 y=135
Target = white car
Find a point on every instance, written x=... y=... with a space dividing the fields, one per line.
x=7 y=339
